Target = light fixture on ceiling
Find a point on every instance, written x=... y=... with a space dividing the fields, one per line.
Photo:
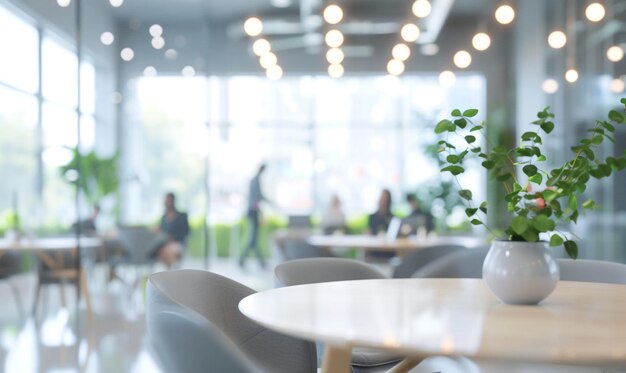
x=429 y=49
x=595 y=12
x=334 y=56
x=158 y=42
x=333 y=14
x=615 y=53
x=447 y=78
x=618 y=85
x=149 y=71
x=462 y=59
x=410 y=32
x=267 y=60
x=188 y=71
x=395 y=67
x=481 y=41
x=107 y=38
x=127 y=54
x=571 y=75
x=116 y=3
x=550 y=86
x=421 y=8
x=505 y=14
x=401 y=52
x=261 y=47
x=334 y=38
x=171 y=54
x=253 y=26
x=281 y=3
x=557 y=39
x=274 y=72
x=335 y=70
x=156 y=30
x=64 y=3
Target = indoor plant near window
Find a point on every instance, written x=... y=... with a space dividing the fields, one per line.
x=519 y=267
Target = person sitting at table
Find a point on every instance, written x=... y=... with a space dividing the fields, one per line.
x=333 y=218
x=87 y=226
x=424 y=218
x=175 y=225
x=378 y=222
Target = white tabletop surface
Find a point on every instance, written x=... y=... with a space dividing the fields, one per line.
x=49 y=243
x=578 y=323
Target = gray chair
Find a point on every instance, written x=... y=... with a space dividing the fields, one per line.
x=300 y=249
x=415 y=260
x=317 y=270
x=194 y=325
x=466 y=263
x=585 y=270
x=10 y=265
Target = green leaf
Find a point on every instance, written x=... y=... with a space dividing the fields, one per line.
x=488 y=164
x=536 y=178
x=519 y=224
x=454 y=170
x=589 y=204
x=461 y=122
x=456 y=113
x=530 y=170
x=476 y=222
x=556 y=240
x=572 y=202
x=483 y=207
x=444 y=125
x=470 y=212
x=547 y=127
x=571 y=248
x=541 y=158
x=453 y=158
x=543 y=223
x=608 y=126
x=465 y=194
x=470 y=113
x=616 y=116
x=597 y=139
x=470 y=139
x=549 y=195
x=476 y=128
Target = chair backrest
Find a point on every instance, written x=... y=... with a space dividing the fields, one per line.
x=415 y=260
x=140 y=243
x=300 y=249
x=585 y=270
x=214 y=299
x=316 y=270
x=10 y=264
x=467 y=263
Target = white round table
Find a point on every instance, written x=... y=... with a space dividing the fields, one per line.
x=580 y=323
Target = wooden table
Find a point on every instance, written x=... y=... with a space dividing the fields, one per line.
x=580 y=323
x=43 y=248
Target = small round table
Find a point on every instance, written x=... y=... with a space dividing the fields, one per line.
x=580 y=323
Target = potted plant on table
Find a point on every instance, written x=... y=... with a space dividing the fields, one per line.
x=519 y=267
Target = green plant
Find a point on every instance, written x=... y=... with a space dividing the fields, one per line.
x=534 y=211
x=97 y=177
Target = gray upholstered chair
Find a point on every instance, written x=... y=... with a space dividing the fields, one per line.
x=466 y=263
x=194 y=325
x=415 y=260
x=317 y=270
x=585 y=270
x=300 y=249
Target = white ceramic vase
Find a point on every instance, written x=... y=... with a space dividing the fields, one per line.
x=520 y=272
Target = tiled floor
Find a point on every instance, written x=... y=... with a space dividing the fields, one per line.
x=65 y=339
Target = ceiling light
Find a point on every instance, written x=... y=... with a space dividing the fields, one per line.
x=430 y=49
x=334 y=56
x=615 y=53
x=571 y=75
x=462 y=59
x=188 y=71
x=447 y=78
x=274 y=72
x=395 y=67
x=505 y=14
x=267 y=60
x=333 y=14
x=127 y=54
x=64 y=3
x=335 y=71
x=149 y=71
x=281 y=3
x=334 y=38
x=410 y=32
x=253 y=26
x=421 y=8
x=557 y=39
x=550 y=86
x=481 y=41
x=595 y=12
x=116 y=3
x=158 y=42
x=618 y=85
x=401 y=52
x=261 y=47
x=107 y=38
x=171 y=54
x=156 y=30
